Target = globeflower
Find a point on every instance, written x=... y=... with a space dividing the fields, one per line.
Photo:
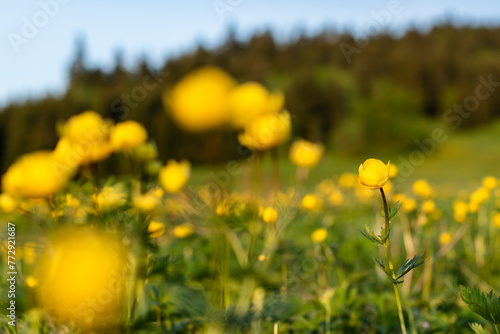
x=423 y=189
x=310 y=202
x=266 y=131
x=460 y=210
x=306 y=154
x=156 y=229
x=174 y=176
x=8 y=203
x=373 y=174
x=127 y=136
x=269 y=215
x=145 y=202
x=110 y=198
x=183 y=231
x=319 y=235
x=199 y=101
x=490 y=182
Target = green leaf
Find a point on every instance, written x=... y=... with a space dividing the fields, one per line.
x=409 y=265
x=370 y=235
x=487 y=306
x=388 y=271
x=394 y=210
x=478 y=329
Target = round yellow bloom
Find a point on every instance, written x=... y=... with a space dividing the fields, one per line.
x=174 y=176
x=422 y=188
x=127 y=136
x=480 y=195
x=496 y=220
x=145 y=202
x=428 y=206
x=31 y=282
x=183 y=231
x=393 y=171
x=460 y=209
x=336 y=197
x=490 y=182
x=304 y=153
x=262 y=257
x=72 y=201
x=348 y=180
x=266 y=131
x=409 y=205
x=250 y=100
x=36 y=175
x=8 y=203
x=199 y=101
x=85 y=126
x=445 y=238
x=269 y=215
x=156 y=229
x=310 y=202
x=373 y=173
x=473 y=207
x=319 y=235
x=110 y=198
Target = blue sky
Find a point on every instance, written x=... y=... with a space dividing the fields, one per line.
x=35 y=61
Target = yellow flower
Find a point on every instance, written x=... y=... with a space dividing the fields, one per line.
x=146 y=152
x=174 y=176
x=250 y=100
x=445 y=238
x=460 y=209
x=473 y=207
x=422 y=188
x=87 y=126
x=336 y=197
x=266 y=131
x=72 y=201
x=269 y=215
x=8 y=203
x=156 y=229
x=262 y=258
x=145 y=202
x=409 y=204
x=310 y=202
x=490 y=182
x=35 y=175
x=480 y=195
x=31 y=281
x=110 y=198
x=304 y=153
x=158 y=192
x=319 y=235
x=393 y=171
x=199 y=101
x=127 y=135
x=373 y=173
x=348 y=180
x=428 y=206
x=183 y=231
x=69 y=153
x=496 y=219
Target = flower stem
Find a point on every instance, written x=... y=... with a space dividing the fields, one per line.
x=391 y=266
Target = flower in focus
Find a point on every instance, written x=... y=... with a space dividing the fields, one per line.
x=8 y=203
x=373 y=173
x=304 y=153
x=35 y=175
x=423 y=189
x=310 y=202
x=266 y=131
x=174 y=176
x=250 y=100
x=156 y=229
x=445 y=238
x=110 y=198
x=490 y=182
x=460 y=209
x=127 y=135
x=319 y=235
x=269 y=215
x=183 y=231
x=199 y=101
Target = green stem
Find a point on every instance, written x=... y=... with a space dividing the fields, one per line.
x=391 y=266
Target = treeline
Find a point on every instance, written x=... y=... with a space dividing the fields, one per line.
x=355 y=96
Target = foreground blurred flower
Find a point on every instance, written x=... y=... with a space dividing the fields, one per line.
x=8 y=203
x=250 y=100
x=373 y=173
x=319 y=235
x=306 y=154
x=127 y=136
x=423 y=189
x=266 y=131
x=198 y=102
x=110 y=198
x=183 y=231
x=174 y=176
x=156 y=229
x=81 y=279
x=269 y=215
x=38 y=174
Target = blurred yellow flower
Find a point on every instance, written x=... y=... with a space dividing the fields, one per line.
x=250 y=100
x=490 y=182
x=36 y=175
x=473 y=207
x=460 y=209
x=348 y=180
x=86 y=126
x=127 y=135
x=8 y=203
x=445 y=238
x=174 y=176
x=325 y=187
x=269 y=215
x=319 y=235
x=199 y=101
x=373 y=173
x=428 y=206
x=145 y=202
x=110 y=198
x=388 y=187
x=72 y=201
x=423 y=189
x=262 y=257
x=183 y=231
x=310 y=202
x=336 y=197
x=304 y=153
x=409 y=204
x=31 y=282
x=496 y=220
x=266 y=131
x=156 y=229
x=480 y=195
x=82 y=278
x=393 y=171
